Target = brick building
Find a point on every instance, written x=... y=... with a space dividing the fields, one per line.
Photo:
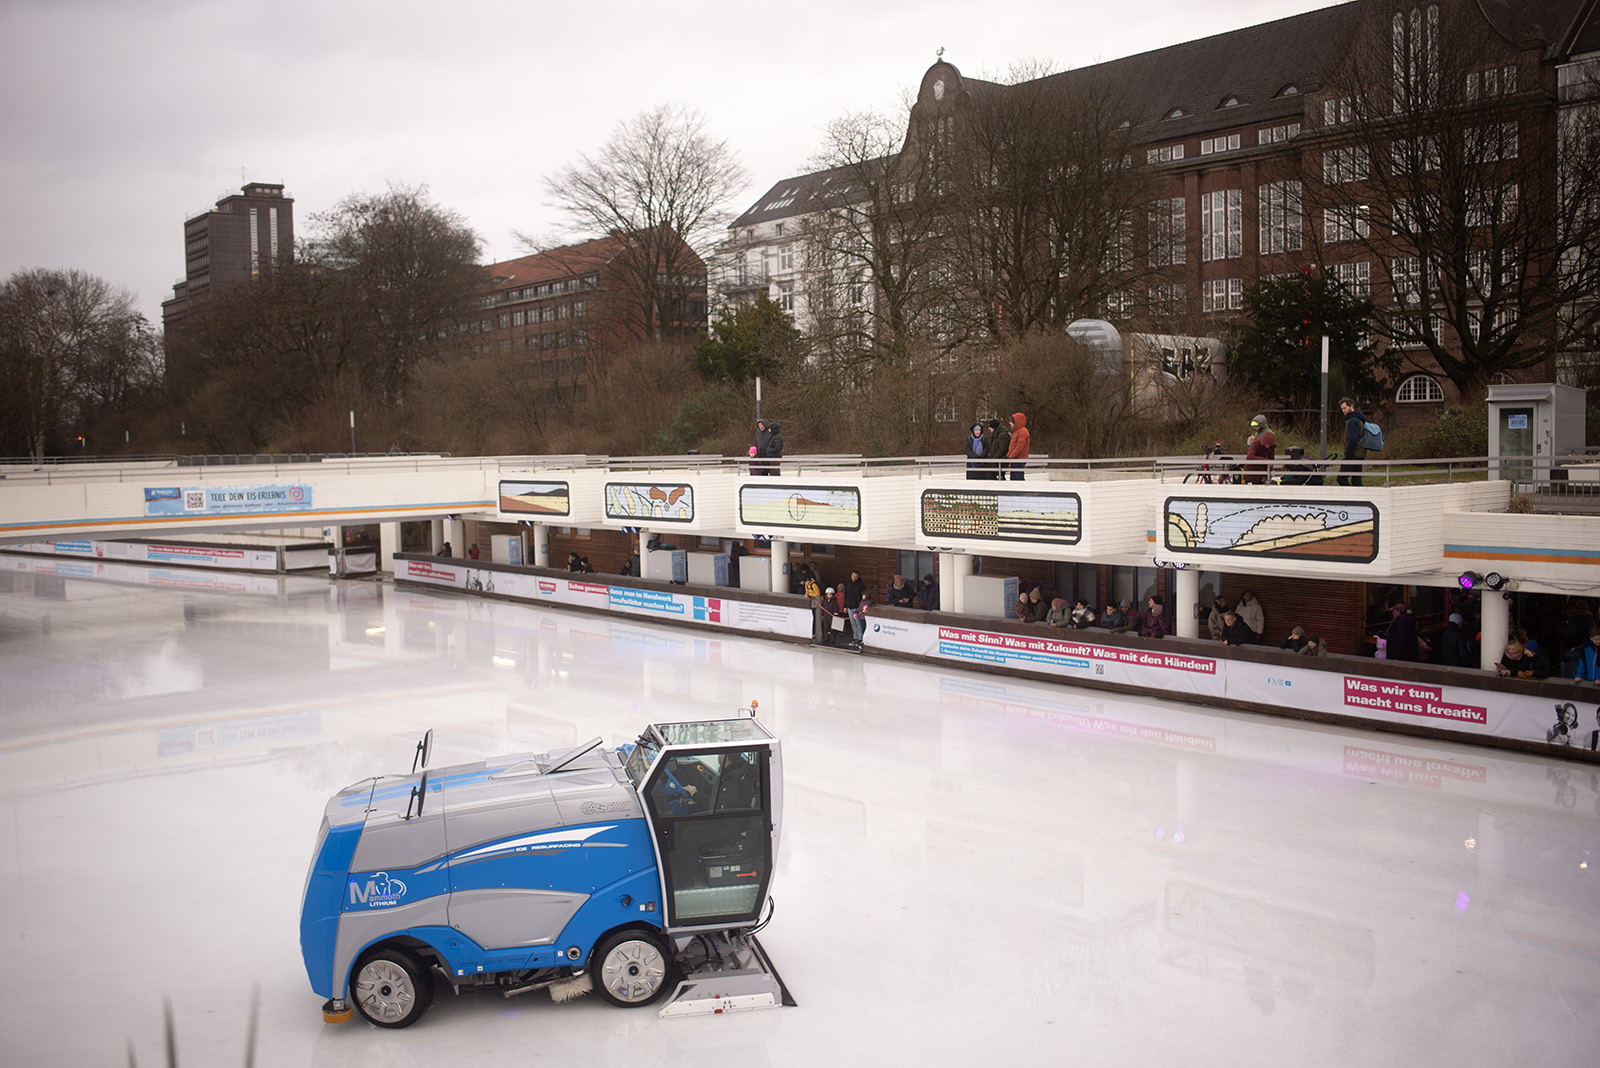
x=561 y=307
x=1281 y=148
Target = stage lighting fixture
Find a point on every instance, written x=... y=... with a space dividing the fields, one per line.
x=1470 y=580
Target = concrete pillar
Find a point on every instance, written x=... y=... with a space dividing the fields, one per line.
x=780 y=566
x=1496 y=623
x=644 y=551
x=953 y=571
x=455 y=532
x=335 y=536
x=1187 y=594
x=436 y=535
x=388 y=545
x=539 y=551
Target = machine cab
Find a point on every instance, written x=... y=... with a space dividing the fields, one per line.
x=712 y=793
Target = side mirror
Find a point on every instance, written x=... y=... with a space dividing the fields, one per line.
x=424 y=752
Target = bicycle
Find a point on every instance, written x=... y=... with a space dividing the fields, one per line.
x=1215 y=468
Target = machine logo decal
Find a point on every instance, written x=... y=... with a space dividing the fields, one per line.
x=589 y=808
x=543 y=842
x=380 y=892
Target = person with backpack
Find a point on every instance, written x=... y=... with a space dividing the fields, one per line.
x=1355 y=424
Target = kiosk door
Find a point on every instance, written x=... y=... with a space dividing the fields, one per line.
x=710 y=809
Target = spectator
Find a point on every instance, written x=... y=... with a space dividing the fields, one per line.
x=1296 y=640
x=1455 y=648
x=1251 y=613
x=472 y=550
x=999 y=448
x=976 y=448
x=1260 y=452
x=1115 y=617
x=1588 y=663
x=1355 y=422
x=1575 y=635
x=1039 y=599
x=1082 y=614
x=572 y=561
x=444 y=550
x=1314 y=646
x=833 y=617
x=853 y=591
x=1154 y=624
x=1018 y=449
x=900 y=595
x=1541 y=660
x=1234 y=630
x=858 y=622
x=584 y=565
x=1402 y=636
x=759 y=448
x=1059 y=615
x=774 y=451
x=1516 y=663
x=929 y=595
x=1214 y=620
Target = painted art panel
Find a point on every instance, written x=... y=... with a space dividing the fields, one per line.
x=1003 y=515
x=670 y=502
x=1339 y=531
x=535 y=498
x=809 y=507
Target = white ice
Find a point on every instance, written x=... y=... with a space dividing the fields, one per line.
x=974 y=871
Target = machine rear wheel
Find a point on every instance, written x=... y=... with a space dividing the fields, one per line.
x=391 y=988
x=631 y=969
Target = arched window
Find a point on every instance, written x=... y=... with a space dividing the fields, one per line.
x=1419 y=389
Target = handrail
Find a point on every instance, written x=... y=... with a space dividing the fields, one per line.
x=1163 y=469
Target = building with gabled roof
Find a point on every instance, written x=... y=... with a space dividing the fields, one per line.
x=1243 y=152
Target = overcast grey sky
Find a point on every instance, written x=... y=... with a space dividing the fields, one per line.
x=121 y=118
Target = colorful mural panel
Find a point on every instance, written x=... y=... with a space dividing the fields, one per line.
x=671 y=502
x=535 y=498
x=811 y=507
x=1002 y=515
x=1340 y=531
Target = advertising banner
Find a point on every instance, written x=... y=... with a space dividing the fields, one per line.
x=729 y=613
x=1458 y=708
x=226 y=500
x=1178 y=672
x=231 y=557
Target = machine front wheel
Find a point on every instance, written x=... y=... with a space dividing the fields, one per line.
x=391 y=988
x=630 y=969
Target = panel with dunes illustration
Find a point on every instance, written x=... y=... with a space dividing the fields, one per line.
x=1339 y=531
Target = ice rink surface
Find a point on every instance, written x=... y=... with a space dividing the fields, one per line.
x=974 y=870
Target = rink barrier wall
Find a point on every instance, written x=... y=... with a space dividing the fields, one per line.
x=230 y=556
x=714 y=607
x=1448 y=703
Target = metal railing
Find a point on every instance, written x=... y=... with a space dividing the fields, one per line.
x=1556 y=478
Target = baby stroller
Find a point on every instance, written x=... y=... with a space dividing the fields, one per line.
x=1299 y=471
x=1214 y=468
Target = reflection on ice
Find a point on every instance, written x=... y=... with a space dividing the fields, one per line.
x=975 y=869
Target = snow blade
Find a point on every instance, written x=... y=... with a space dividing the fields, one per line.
x=726 y=972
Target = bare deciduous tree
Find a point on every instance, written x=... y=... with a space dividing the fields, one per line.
x=661 y=184
x=70 y=345
x=1440 y=160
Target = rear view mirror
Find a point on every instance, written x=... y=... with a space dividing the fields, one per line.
x=424 y=752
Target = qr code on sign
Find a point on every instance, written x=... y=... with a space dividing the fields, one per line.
x=194 y=500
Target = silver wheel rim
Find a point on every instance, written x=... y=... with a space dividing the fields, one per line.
x=633 y=970
x=385 y=991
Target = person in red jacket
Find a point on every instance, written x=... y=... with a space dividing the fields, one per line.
x=1018 y=451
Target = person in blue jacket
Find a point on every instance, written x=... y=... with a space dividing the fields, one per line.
x=1589 y=658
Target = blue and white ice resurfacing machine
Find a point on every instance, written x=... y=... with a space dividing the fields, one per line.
x=593 y=868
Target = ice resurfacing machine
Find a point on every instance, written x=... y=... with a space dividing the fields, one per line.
x=613 y=869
